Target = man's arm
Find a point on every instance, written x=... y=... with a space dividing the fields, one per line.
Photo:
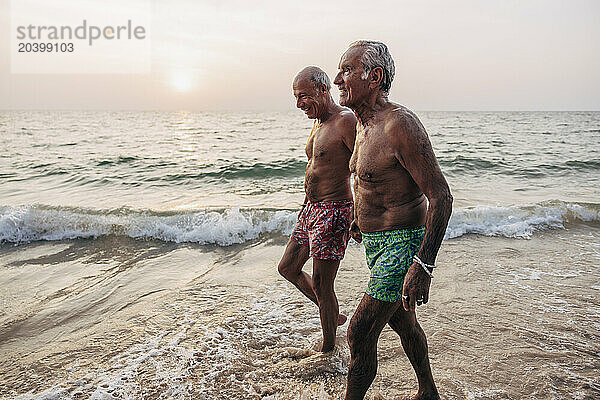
x=414 y=152
x=346 y=125
x=355 y=232
x=302 y=206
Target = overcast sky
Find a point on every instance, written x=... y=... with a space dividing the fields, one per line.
x=232 y=55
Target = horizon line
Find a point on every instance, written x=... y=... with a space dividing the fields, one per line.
x=282 y=110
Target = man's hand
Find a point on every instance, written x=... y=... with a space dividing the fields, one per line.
x=416 y=287
x=355 y=232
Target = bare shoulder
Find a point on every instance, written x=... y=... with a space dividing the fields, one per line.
x=399 y=120
x=403 y=126
x=345 y=127
x=346 y=120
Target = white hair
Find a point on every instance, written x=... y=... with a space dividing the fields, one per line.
x=376 y=54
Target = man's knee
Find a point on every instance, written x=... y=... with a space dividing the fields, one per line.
x=351 y=335
x=357 y=335
x=293 y=260
x=287 y=269
x=404 y=322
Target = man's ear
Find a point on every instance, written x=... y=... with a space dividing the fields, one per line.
x=376 y=77
x=323 y=88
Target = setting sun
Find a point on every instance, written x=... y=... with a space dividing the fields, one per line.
x=181 y=81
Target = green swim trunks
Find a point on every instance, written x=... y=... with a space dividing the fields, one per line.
x=389 y=256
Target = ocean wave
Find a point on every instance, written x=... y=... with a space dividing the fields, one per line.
x=161 y=170
x=278 y=168
x=222 y=227
x=470 y=164
x=462 y=165
x=118 y=160
x=519 y=221
x=232 y=226
x=233 y=171
x=583 y=165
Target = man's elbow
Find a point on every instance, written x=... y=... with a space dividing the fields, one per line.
x=443 y=200
x=448 y=199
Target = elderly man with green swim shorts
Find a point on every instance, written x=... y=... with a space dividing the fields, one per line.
x=402 y=207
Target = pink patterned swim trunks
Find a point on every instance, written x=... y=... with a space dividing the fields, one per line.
x=324 y=228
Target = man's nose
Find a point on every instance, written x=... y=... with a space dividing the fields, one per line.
x=338 y=79
x=299 y=103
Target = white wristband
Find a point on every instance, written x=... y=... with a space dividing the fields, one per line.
x=425 y=266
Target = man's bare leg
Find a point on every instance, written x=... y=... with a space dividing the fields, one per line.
x=363 y=333
x=290 y=267
x=324 y=272
x=414 y=342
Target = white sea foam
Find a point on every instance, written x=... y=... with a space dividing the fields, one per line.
x=519 y=221
x=485 y=394
x=257 y=352
x=30 y=223
x=227 y=227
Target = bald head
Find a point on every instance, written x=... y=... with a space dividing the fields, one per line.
x=315 y=75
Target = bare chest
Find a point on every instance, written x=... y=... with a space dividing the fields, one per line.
x=374 y=158
x=322 y=143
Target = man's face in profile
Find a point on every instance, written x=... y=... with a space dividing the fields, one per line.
x=308 y=98
x=349 y=78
